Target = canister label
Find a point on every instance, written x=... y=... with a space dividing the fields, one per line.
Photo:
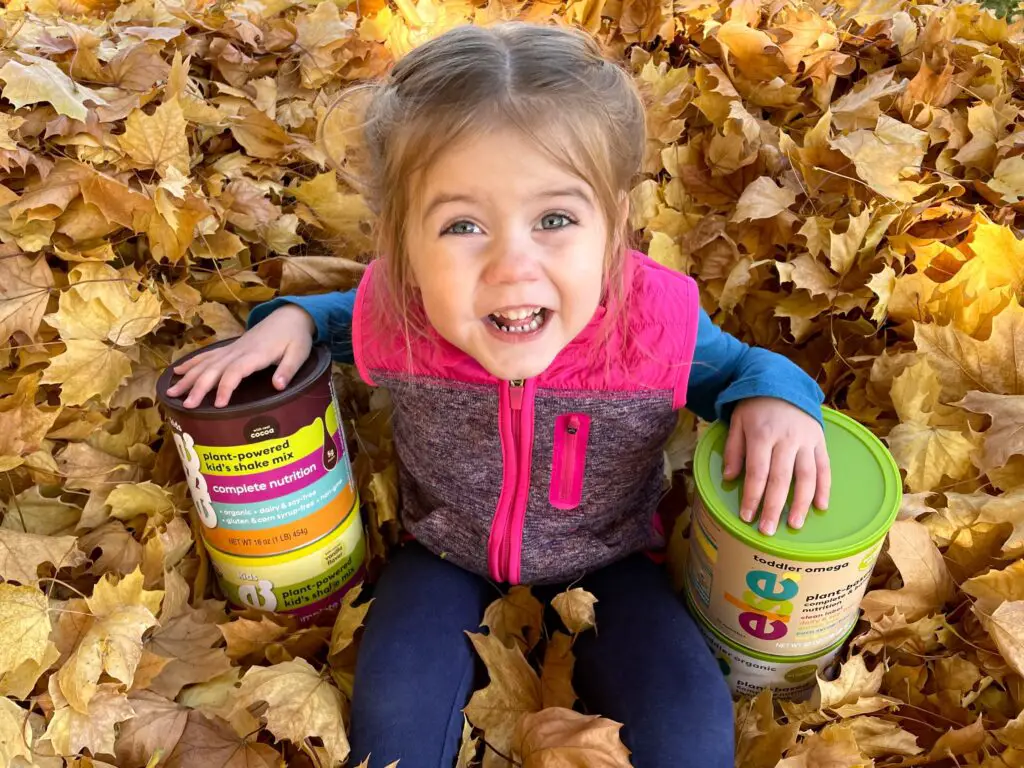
x=275 y=494
x=304 y=582
x=748 y=675
x=769 y=604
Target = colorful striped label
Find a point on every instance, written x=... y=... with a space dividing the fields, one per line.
x=299 y=581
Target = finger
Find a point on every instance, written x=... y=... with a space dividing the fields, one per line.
x=293 y=358
x=755 y=475
x=184 y=384
x=240 y=367
x=823 y=485
x=780 y=478
x=206 y=381
x=733 y=454
x=806 y=480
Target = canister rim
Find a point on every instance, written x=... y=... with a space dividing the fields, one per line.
x=318 y=362
x=704 y=623
x=867 y=536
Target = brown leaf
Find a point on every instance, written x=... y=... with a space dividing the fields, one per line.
x=21 y=554
x=576 y=609
x=560 y=738
x=211 y=741
x=515 y=617
x=159 y=140
x=71 y=731
x=514 y=690
x=556 y=673
x=760 y=740
x=245 y=636
x=24 y=292
x=927 y=585
x=155 y=730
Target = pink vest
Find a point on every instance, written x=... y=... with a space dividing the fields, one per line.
x=544 y=480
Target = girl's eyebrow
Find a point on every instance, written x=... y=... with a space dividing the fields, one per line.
x=443 y=198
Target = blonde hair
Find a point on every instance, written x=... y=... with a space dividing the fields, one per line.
x=550 y=82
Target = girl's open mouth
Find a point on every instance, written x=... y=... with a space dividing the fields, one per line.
x=519 y=324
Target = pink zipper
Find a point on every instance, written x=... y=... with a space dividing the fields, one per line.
x=569 y=454
x=568 y=460
x=515 y=425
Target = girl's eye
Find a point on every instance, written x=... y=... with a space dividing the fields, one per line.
x=556 y=221
x=460 y=228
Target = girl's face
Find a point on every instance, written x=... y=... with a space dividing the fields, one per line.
x=507 y=250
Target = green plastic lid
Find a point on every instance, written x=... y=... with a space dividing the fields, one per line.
x=864 y=498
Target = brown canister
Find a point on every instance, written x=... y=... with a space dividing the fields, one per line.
x=271 y=480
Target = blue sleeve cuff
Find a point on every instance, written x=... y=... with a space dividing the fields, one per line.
x=332 y=316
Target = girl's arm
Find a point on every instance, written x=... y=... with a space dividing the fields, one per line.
x=776 y=429
x=331 y=313
x=725 y=371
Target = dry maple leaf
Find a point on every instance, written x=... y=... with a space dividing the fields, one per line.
x=560 y=738
x=514 y=690
x=927 y=585
x=155 y=730
x=515 y=617
x=576 y=609
x=301 y=704
x=21 y=554
x=24 y=625
x=70 y=731
x=556 y=672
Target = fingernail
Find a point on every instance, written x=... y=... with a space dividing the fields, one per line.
x=797 y=524
x=769 y=528
x=746 y=515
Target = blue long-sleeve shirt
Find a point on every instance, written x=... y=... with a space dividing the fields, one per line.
x=724 y=370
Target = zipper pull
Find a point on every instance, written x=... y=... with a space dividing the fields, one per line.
x=515 y=393
x=574 y=425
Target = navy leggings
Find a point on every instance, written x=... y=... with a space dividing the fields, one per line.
x=646 y=667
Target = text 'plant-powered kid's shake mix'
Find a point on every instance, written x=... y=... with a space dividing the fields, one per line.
x=796 y=593
x=273 y=490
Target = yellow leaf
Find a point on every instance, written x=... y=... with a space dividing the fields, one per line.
x=348 y=621
x=245 y=636
x=21 y=682
x=996 y=261
x=576 y=609
x=929 y=454
x=87 y=369
x=42 y=80
x=964 y=363
x=893 y=631
x=301 y=704
x=556 y=673
x=1006 y=626
x=997 y=586
x=159 y=140
x=560 y=738
x=1005 y=438
x=881 y=738
x=113 y=644
x=882 y=285
x=762 y=199
x=318 y=35
x=15 y=734
x=468 y=747
x=515 y=618
x=885 y=156
x=927 y=585
x=855 y=691
x=314 y=274
x=959 y=741
x=21 y=554
x=24 y=625
x=339 y=212
x=513 y=691
x=1008 y=179
x=23 y=425
x=833 y=747
x=112 y=594
x=760 y=740
x=24 y=292
x=805 y=272
x=129 y=500
x=71 y=731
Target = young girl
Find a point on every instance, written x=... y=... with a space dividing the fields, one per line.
x=535 y=364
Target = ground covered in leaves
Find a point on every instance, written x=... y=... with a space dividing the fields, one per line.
x=844 y=180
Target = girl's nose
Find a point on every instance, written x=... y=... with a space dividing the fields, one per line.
x=511 y=261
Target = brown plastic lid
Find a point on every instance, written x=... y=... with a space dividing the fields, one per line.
x=255 y=393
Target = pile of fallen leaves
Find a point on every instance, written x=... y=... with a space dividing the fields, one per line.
x=844 y=180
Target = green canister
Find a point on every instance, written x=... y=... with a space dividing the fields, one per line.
x=748 y=672
x=798 y=592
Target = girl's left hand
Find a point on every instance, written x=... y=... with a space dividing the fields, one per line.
x=777 y=442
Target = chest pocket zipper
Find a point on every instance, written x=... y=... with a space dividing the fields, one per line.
x=568 y=460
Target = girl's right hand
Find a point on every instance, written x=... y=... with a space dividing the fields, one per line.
x=284 y=337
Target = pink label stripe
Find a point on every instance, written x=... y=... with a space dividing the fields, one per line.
x=269 y=485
